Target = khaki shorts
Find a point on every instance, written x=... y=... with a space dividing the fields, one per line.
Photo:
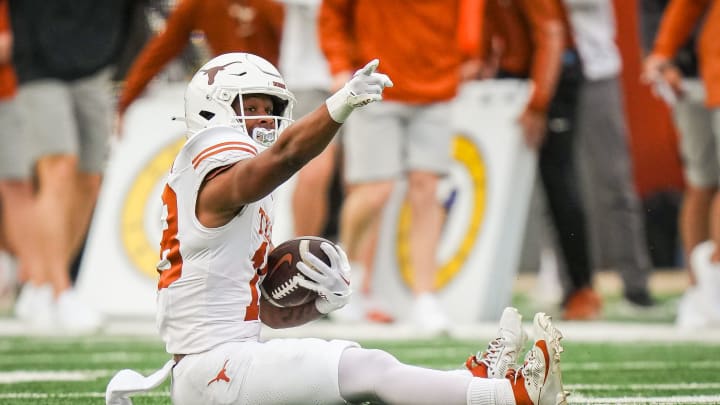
x=386 y=140
x=699 y=129
x=70 y=118
x=16 y=159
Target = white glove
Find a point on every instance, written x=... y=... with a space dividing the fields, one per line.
x=332 y=283
x=365 y=87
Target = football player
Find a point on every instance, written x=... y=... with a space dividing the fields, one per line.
x=218 y=218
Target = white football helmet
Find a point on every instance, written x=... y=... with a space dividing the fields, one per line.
x=212 y=90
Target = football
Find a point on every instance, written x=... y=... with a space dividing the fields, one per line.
x=280 y=286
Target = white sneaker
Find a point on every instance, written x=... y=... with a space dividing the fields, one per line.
x=539 y=381
x=708 y=280
x=74 y=316
x=503 y=352
x=427 y=315
x=690 y=313
x=34 y=306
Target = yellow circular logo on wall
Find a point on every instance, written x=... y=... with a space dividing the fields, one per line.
x=467 y=154
x=142 y=253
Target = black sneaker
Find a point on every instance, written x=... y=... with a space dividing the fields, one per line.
x=640 y=297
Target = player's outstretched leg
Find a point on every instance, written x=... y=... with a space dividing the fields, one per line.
x=539 y=381
x=502 y=353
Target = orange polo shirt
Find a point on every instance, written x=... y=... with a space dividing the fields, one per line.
x=678 y=22
x=253 y=26
x=8 y=81
x=415 y=40
x=534 y=34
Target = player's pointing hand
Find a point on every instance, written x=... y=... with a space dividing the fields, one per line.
x=366 y=86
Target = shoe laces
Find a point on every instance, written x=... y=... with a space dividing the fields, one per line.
x=491 y=354
x=531 y=371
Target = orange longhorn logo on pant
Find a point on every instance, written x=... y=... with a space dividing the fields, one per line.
x=221 y=375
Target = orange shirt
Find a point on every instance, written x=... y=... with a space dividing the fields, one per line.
x=8 y=81
x=534 y=35
x=678 y=22
x=415 y=40
x=253 y=26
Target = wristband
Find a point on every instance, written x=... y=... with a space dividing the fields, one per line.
x=338 y=106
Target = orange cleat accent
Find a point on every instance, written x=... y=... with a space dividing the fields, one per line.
x=478 y=369
x=539 y=381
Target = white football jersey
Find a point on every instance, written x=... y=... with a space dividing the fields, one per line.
x=208 y=291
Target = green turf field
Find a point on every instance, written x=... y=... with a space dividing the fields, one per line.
x=75 y=371
x=64 y=370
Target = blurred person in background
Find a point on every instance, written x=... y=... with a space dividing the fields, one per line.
x=137 y=33
x=697 y=114
x=615 y=217
x=406 y=136
x=16 y=188
x=533 y=41
x=63 y=54
x=306 y=72
x=228 y=25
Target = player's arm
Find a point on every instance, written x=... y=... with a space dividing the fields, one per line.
x=255 y=178
x=252 y=179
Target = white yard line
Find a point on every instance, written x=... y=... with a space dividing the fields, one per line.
x=613 y=387
x=91 y=358
x=20 y=376
x=699 y=399
x=41 y=395
x=573 y=331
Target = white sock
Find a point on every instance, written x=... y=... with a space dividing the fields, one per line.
x=484 y=391
x=378 y=376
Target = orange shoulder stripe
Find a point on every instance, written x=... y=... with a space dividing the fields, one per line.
x=215 y=149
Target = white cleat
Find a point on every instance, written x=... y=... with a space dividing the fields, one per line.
x=502 y=353
x=539 y=380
